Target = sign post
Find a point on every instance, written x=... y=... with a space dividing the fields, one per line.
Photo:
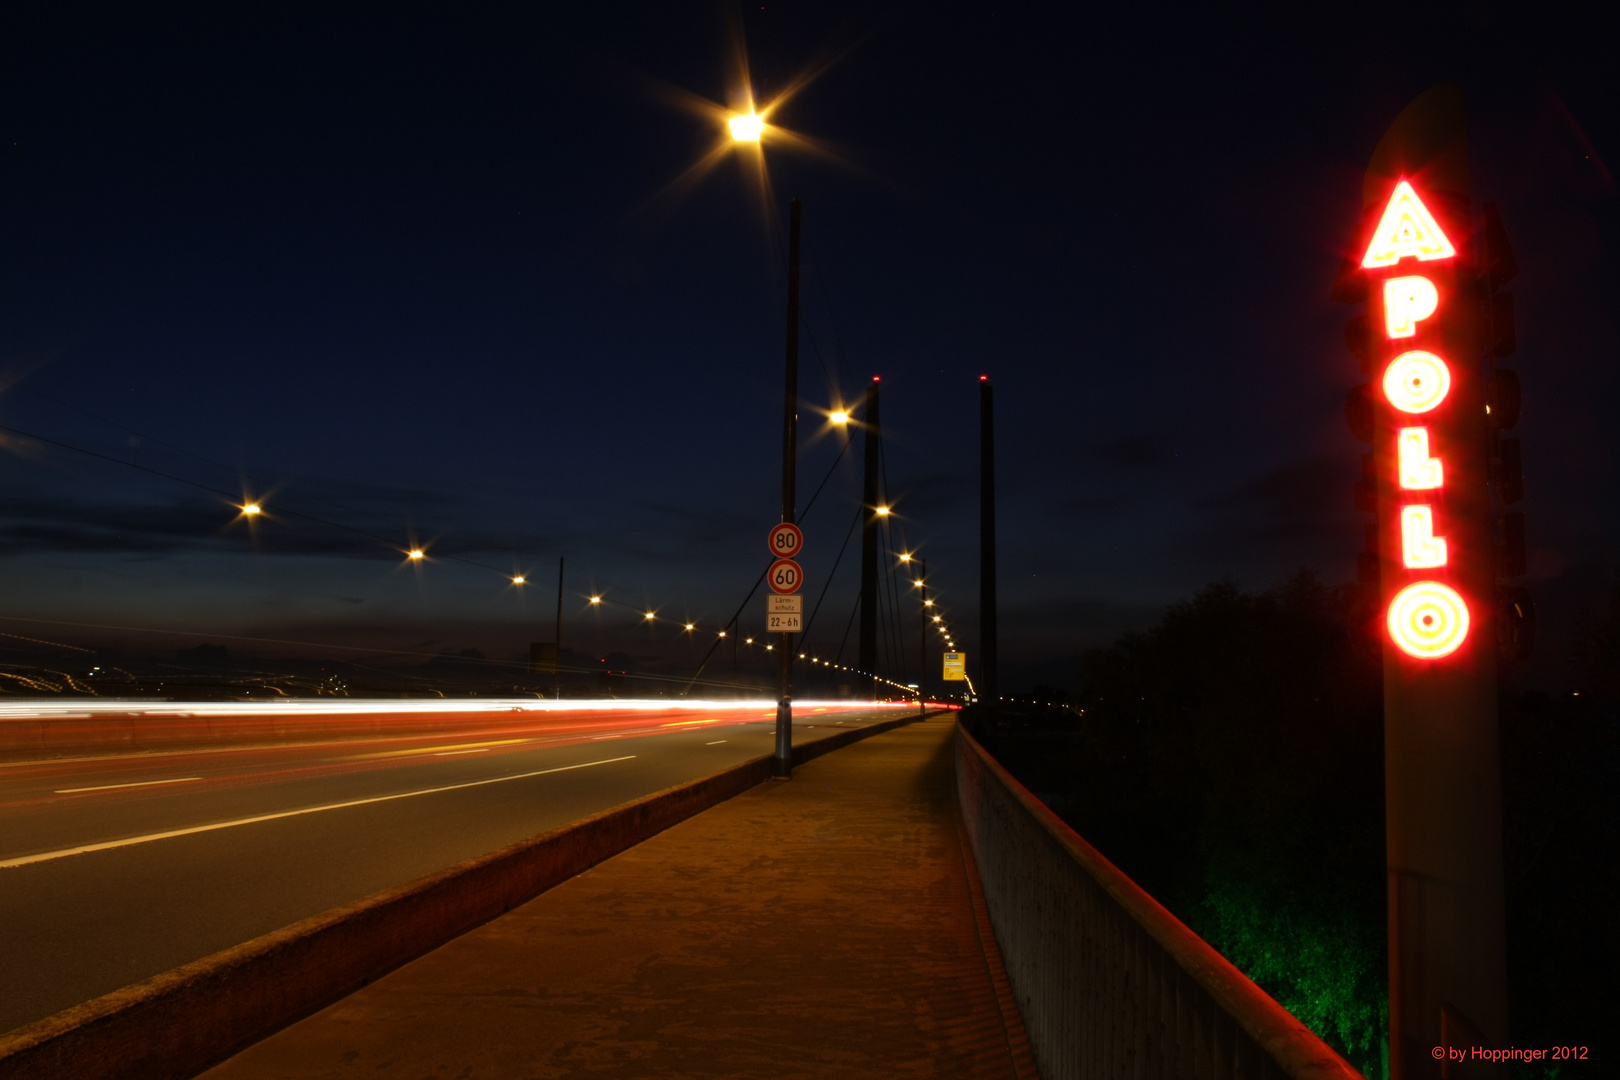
x=955 y=667
x=783 y=764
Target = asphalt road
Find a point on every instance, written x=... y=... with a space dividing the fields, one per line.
x=120 y=866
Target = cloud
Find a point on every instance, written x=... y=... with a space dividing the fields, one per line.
x=1298 y=514
x=1096 y=504
x=46 y=524
x=1131 y=453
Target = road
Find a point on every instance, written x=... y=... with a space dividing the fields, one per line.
x=118 y=866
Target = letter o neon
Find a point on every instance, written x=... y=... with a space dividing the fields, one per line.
x=1428 y=620
x=1417 y=381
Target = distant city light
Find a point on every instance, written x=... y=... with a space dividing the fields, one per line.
x=746 y=127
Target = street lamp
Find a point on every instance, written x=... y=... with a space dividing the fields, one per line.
x=839 y=416
x=596 y=599
x=416 y=554
x=746 y=127
x=518 y=579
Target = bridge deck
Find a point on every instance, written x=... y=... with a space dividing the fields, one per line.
x=826 y=927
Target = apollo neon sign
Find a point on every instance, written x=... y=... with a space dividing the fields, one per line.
x=1427 y=618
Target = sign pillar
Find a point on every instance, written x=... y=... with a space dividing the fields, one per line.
x=1437 y=581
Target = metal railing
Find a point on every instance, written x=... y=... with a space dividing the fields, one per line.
x=1110 y=984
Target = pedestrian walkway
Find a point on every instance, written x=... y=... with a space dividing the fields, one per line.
x=829 y=926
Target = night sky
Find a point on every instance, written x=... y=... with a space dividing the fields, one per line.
x=432 y=272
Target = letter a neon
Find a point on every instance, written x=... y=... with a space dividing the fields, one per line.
x=1406 y=229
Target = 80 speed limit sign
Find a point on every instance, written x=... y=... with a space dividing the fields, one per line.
x=784 y=577
x=785 y=540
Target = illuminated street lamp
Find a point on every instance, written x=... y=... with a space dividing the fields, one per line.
x=416 y=554
x=252 y=509
x=746 y=127
x=651 y=616
x=596 y=599
x=839 y=416
x=883 y=511
x=905 y=556
x=518 y=579
x=691 y=626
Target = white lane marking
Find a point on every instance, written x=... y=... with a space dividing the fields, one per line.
x=453 y=753
x=716 y=742
x=107 y=845
x=441 y=746
x=137 y=783
x=599 y=738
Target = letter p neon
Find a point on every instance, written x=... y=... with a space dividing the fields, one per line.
x=1407 y=302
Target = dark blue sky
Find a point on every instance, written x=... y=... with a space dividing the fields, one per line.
x=410 y=270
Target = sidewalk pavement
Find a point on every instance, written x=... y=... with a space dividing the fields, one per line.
x=830 y=926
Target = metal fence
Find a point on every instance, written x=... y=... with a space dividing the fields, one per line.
x=1110 y=984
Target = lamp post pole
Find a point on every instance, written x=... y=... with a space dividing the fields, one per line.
x=790 y=438
x=922 y=638
x=557 y=674
x=987 y=543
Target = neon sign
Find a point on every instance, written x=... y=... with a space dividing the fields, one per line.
x=1420 y=548
x=1417 y=381
x=1406 y=229
x=1426 y=620
x=1407 y=302
x=1417 y=470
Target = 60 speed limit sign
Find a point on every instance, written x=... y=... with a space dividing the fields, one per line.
x=784 y=577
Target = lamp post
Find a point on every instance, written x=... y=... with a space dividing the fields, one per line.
x=922 y=637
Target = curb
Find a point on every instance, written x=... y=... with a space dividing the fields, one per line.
x=185 y=1020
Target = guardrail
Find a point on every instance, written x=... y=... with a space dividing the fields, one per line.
x=1109 y=983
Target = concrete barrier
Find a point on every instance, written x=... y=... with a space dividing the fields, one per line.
x=183 y=1021
x=1109 y=983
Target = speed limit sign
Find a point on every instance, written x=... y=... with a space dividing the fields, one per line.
x=784 y=577
x=786 y=540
